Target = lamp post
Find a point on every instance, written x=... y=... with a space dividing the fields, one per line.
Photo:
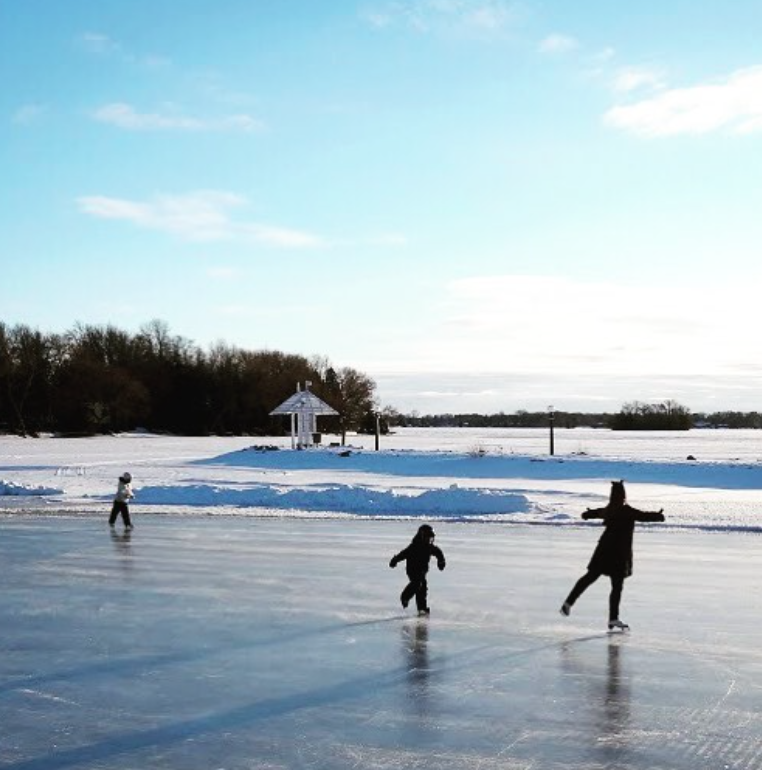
x=377 y=416
x=551 y=420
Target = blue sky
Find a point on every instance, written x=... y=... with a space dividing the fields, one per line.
x=482 y=204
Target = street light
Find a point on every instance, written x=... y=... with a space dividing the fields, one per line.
x=551 y=420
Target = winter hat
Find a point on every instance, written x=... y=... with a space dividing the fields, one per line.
x=618 y=495
x=126 y=477
x=425 y=531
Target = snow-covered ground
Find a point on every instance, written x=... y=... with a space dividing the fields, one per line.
x=463 y=474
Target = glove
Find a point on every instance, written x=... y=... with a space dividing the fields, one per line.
x=393 y=563
x=441 y=564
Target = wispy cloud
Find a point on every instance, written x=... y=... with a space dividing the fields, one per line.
x=220 y=273
x=604 y=55
x=558 y=44
x=564 y=326
x=444 y=16
x=202 y=216
x=100 y=44
x=125 y=116
x=630 y=79
x=28 y=114
x=733 y=103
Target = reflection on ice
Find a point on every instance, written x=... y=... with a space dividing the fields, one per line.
x=415 y=638
x=602 y=695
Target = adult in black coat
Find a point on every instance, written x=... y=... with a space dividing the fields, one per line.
x=417 y=556
x=613 y=554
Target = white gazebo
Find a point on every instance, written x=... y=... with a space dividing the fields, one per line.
x=304 y=407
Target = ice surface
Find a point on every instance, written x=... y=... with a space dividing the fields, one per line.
x=219 y=642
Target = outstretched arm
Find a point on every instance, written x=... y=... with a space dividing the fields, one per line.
x=649 y=515
x=439 y=556
x=594 y=513
x=401 y=556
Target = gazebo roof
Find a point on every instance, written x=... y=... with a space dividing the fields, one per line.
x=303 y=402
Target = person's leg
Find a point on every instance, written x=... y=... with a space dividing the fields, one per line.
x=126 y=515
x=580 y=587
x=114 y=513
x=408 y=592
x=617 y=583
x=421 y=595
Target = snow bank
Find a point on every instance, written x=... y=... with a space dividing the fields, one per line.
x=9 y=489
x=453 y=502
x=686 y=473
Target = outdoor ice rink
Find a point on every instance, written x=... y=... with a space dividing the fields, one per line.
x=216 y=643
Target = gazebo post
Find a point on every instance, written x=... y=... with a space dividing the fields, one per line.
x=293 y=421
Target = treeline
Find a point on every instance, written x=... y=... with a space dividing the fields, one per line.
x=519 y=419
x=668 y=415
x=633 y=416
x=728 y=420
x=97 y=379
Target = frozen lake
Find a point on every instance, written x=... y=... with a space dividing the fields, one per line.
x=239 y=643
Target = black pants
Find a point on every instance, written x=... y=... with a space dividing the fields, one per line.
x=117 y=508
x=617 y=583
x=417 y=587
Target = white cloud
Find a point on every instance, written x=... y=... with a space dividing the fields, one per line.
x=98 y=43
x=566 y=327
x=220 y=273
x=733 y=103
x=630 y=79
x=202 y=216
x=389 y=239
x=126 y=117
x=444 y=16
x=557 y=44
x=604 y=55
x=489 y=17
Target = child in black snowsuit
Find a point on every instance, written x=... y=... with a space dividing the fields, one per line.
x=613 y=554
x=417 y=556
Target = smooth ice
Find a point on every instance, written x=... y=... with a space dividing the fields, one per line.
x=218 y=642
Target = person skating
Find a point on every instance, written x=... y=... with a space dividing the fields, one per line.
x=613 y=554
x=416 y=557
x=122 y=498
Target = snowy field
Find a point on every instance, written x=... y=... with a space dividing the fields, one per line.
x=251 y=621
x=466 y=474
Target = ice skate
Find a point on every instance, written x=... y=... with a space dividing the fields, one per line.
x=424 y=612
x=618 y=625
x=565 y=609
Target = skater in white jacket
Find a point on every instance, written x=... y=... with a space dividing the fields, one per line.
x=122 y=498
